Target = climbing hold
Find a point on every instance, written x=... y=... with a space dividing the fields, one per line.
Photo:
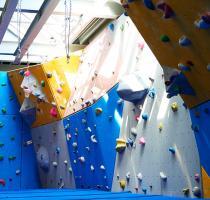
x=122 y=27
x=98 y=111
x=110 y=118
x=88 y=129
x=134 y=131
x=164 y=38
x=65 y=162
x=197 y=177
x=1 y=124
x=142 y=141
x=122 y=184
x=118 y=176
x=206 y=17
x=152 y=93
x=121 y=145
x=141 y=46
x=163 y=176
x=92 y=168
x=201 y=24
x=27 y=73
x=17 y=172
x=172 y=150
x=3 y=84
x=160 y=126
x=1 y=144
x=49 y=75
x=59 y=90
x=149 y=4
x=186 y=191
x=145 y=116
x=174 y=106
x=93 y=139
x=139 y=176
x=2 y=182
x=58 y=149
x=111 y=26
x=87 y=148
x=74 y=144
x=206 y=110
x=84 y=121
x=1 y=157
x=53 y=112
x=184 y=41
x=102 y=167
x=137 y=118
x=183 y=67
x=119 y=102
x=81 y=159
x=128 y=175
x=195 y=127
x=11 y=158
x=4 y=110
x=55 y=164
x=70 y=170
x=166 y=9
x=208 y=67
x=144 y=190
x=43 y=83
x=130 y=141
x=196 y=191
x=21 y=72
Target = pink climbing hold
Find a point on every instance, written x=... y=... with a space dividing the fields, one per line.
x=2 y=182
x=166 y=9
x=27 y=73
x=53 y=112
x=142 y=141
x=197 y=177
x=137 y=118
x=141 y=46
x=59 y=90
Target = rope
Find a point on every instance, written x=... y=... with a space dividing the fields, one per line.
x=68 y=14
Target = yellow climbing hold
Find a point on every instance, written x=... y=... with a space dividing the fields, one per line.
x=160 y=126
x=122 y=184
x=121 y=145
x=174 y=106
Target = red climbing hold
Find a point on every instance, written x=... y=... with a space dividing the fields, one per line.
x=2 y=182
x=167 y=10
x=53 y=112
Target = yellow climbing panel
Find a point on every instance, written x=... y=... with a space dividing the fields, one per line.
x=206 y=183
x=152 y=25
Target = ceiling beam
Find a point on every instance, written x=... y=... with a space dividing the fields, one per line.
x=40 y=19
x=9 y=9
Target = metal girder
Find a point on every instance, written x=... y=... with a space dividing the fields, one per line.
x=40 y=19
x=9 y=9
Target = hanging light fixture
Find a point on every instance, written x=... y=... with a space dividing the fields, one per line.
x=19 y=25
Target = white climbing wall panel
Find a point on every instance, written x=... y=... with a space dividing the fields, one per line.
x=154 y=157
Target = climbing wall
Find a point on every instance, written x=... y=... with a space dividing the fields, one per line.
x=17 y=157
x=52 y=156
x=157 y=152
x=91 y=135
x=178 y=35
x=200 y=116
x=48 y=88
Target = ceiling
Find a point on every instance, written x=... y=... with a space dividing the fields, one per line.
x=42 y=28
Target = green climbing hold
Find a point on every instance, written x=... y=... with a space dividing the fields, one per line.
x=11 y=158
x=12 y=138
x=3 y=110
x=98 y=111
x=11 y=97
x=1 y=124
x=164 y=38
x=1 y=157
x=122 y=27
x=42 y=83
x=1 y=144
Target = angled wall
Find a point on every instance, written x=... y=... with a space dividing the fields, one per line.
x=18 y=163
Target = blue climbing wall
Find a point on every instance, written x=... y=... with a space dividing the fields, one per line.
x=200 y=117
x=105 y=128
x=17 y=161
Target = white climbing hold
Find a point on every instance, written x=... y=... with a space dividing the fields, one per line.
x=81 y=159
x=92 y=168
x=102 y=167
x=87 y=148
x=75 y=161
x=93 y=139
x=84 y=121
x=18 y=172
x=128 y=175
x=134 y=131
x=88 y=129
x=55 y=164
x=118 y=176
x=74 y=144
x=70 y=169
x=139 y=176
x=163 y=176
x=65 y=162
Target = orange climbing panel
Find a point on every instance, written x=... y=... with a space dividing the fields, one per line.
x=206 y=183
x=57 y=88
x=152 y=26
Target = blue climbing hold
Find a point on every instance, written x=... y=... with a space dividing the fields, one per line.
x=201 y=24
x=208 y=67
x=184 y=41
x=130 y=142
x=195 y=127
x=149 y=4
x=111 y=26
x=21 y=72
x=183 y=67
x=145 y=116
x=152 y=93
x=172 y=150
x=58 y=149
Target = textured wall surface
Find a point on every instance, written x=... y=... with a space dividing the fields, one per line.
x=51 y=147
x=85 y=126
x=17 y=163
x=154 y=157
